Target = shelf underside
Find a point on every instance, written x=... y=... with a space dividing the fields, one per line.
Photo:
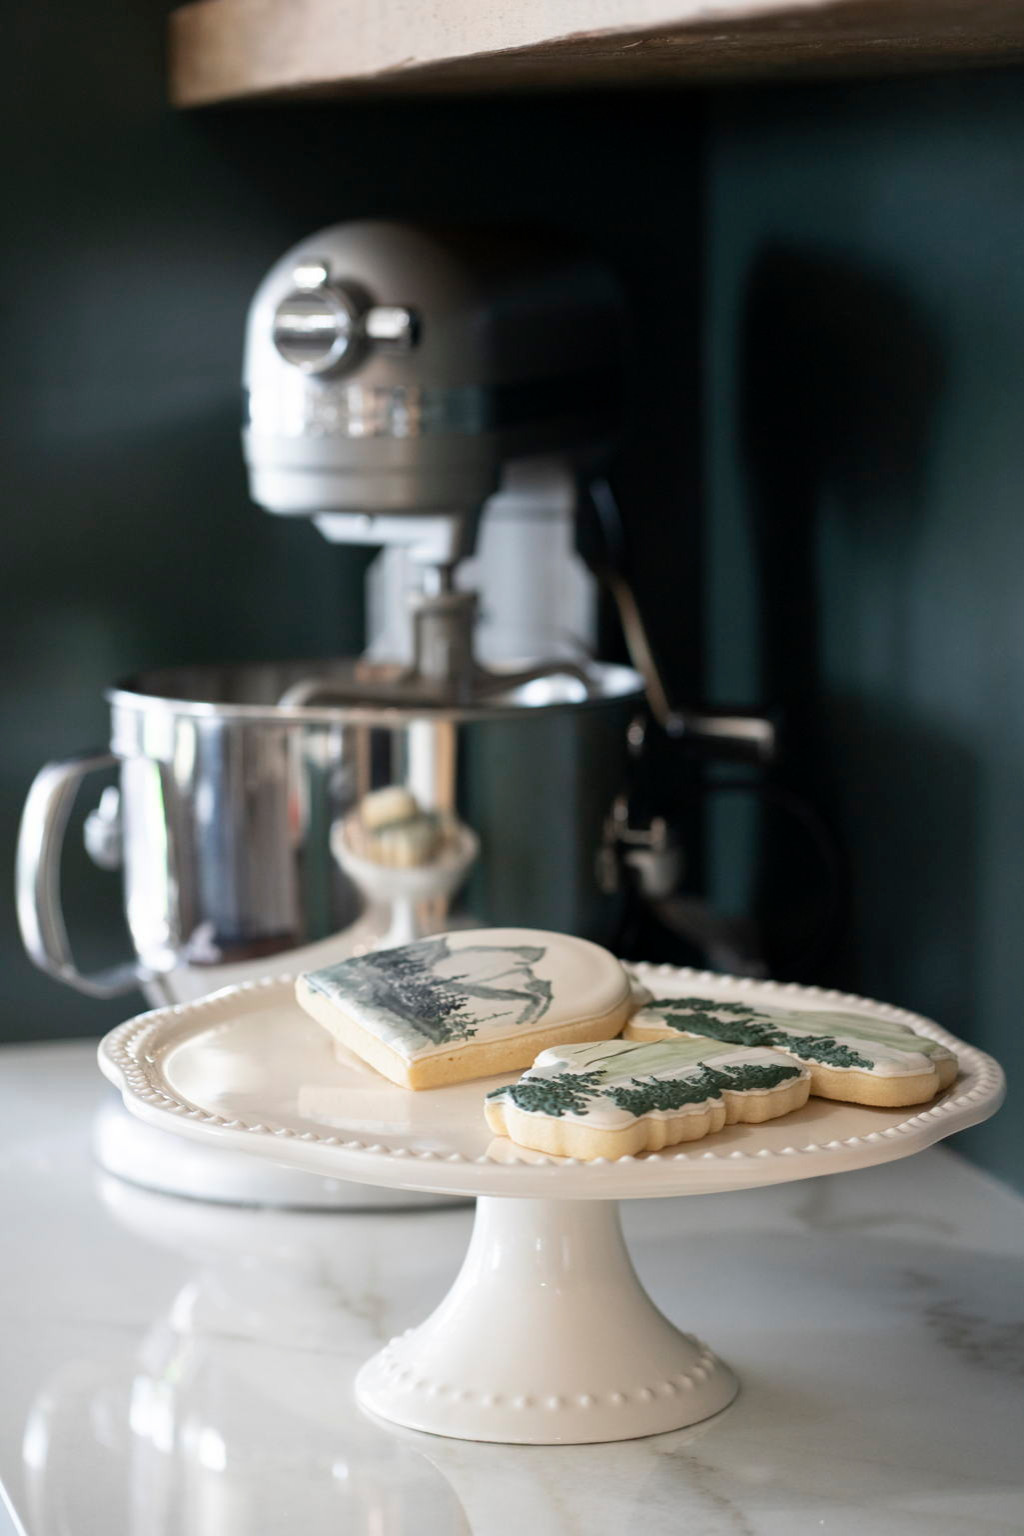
x=233 y=50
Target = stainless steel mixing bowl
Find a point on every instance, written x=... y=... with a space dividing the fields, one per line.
x=231 y=778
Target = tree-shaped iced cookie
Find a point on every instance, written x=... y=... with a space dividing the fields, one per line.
x=617 y=1098
x=852 y=1057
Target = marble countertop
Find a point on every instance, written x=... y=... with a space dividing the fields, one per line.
x=172 y=1368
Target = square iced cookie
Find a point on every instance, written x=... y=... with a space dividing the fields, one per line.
x=468 y=1004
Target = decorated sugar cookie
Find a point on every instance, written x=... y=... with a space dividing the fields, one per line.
x=619 y=1098
x=851 y=1056
x=468 y=1004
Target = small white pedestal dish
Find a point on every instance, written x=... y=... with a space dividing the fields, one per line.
x=547 y=1336
x=407 y=892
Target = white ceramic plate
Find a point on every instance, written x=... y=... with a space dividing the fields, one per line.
x=248 y=1069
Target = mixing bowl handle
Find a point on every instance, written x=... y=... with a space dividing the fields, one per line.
x=37 y=880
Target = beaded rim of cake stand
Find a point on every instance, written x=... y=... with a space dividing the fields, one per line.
x=392 y=1367
x=130 y=1049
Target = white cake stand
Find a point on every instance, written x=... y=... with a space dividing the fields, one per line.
x=546 y=1336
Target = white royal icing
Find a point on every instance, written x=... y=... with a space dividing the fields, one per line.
x=889 y=1049
x=625 y=1063
x=459 y=989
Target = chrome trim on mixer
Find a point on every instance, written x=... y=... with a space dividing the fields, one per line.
x=346 y=693
x=300 y=406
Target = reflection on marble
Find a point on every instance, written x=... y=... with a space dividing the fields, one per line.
x=176 y=1369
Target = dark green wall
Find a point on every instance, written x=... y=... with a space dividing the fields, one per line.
x=866 y=539
x=133 y=241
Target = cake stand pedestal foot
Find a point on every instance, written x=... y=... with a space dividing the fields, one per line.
x=547 y=1337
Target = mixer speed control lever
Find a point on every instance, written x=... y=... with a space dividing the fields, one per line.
x=324 y=326
x=392 y=326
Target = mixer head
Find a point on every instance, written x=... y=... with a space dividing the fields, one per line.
x=392 y=370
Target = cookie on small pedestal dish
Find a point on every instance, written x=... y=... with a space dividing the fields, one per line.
x=852 y=1057
x=468 y=1004
x=618 y=1098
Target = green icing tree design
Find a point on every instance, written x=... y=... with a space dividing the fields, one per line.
x=566 y=1093
x=696 y=1016
x=745 y=1026
x=642 y=1096
x=571 y=1093
x=822 y=1048
x=404 y=982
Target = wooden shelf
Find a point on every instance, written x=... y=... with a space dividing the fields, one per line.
x=232 y=50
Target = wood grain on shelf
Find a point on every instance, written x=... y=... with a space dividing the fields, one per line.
x=224 y=50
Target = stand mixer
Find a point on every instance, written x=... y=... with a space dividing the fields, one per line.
x=397 y=380
x=448 y=397
x=359 y=346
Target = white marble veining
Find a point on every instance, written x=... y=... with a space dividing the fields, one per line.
x=174 y=1369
